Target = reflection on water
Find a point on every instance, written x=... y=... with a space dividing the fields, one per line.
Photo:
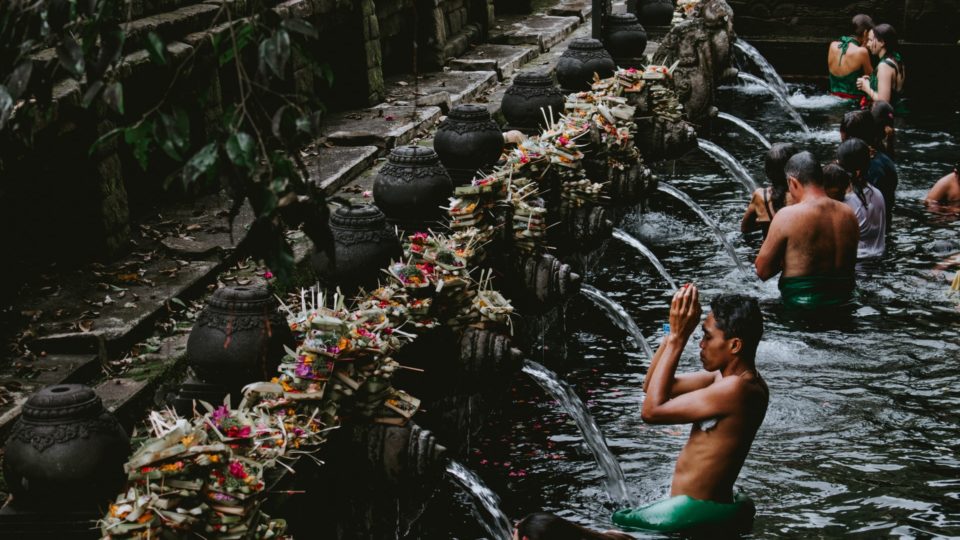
x=863 y=427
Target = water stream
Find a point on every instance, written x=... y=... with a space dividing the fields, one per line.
x=730 y=163
x=618 y=315
x=770 y=74
x=685 y=199
x=781 y=99
x=626 y=238
x=746 y=127
x=571 y=403
x=486 y=506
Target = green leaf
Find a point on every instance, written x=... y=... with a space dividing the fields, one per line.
x=18 y=80
x=103 y=139
x=173 y=133
x=113 y=97
x=201 y=163
x=140 y=139
x=243 y=36
x=275 y=52
x=327 y=72
x=284 y=125
x=91 y=94
x=156 y=49
x=6 y=106
x=71 y=56
x=300 y=26
x=240 y=150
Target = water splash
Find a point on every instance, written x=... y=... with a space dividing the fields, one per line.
x=619 y=316
x=574 y=406
x=491 y=517
x=730 y=163
x=782 y=99
x=770 y=74
x=746 y=127
x=685 y=199
x=636 y=244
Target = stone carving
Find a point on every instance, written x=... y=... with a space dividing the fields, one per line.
x=468 y=141
x=411 y=188
x=701 y=46
x=523 y=101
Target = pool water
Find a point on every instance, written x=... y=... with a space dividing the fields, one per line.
x=862 y=433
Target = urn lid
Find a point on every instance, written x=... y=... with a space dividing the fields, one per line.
x=420 y=156
x=240 y=298
x=534 y=78
x=585 y=44
x=358 y=216
x=622 y=19
x=470 y=112
x=62 y=402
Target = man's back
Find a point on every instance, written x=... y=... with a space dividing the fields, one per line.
x=816 y=238
x=714 y=454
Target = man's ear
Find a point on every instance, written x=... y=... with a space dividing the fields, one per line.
x=736 y=345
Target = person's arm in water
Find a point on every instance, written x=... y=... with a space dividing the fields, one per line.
x=885 y=81
x=687 y=382
x=710 y=400
x=749 y=221
x=770 y=259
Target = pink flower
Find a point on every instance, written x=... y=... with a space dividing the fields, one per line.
x=236 y=470
x=219 y=414
x=268 y=275
x=303 y=370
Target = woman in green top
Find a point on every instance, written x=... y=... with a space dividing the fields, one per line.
x=886 y=83
x=848 y=59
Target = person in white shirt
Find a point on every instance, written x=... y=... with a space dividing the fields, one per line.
x=866 y=200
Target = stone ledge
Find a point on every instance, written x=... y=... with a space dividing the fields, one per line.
x=444 y=89
x=332 y=168
x=383 y=126
x=503 y=59
x=544 y=31
x=573 y=8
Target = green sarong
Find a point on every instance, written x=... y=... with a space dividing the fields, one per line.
x=812 y=292
x=684 y=512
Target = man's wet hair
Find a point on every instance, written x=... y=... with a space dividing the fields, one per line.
x=888 y=35
x=835 y=178
x=860 y=124
x=861 y=23
x=854 y=155
x=805 y=168
x=739 y=316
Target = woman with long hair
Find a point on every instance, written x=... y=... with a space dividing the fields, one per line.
x=886 y=82
x=766 y=201
x=866 y=201
x=848 y=59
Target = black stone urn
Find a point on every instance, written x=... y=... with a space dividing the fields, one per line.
x=468 y=141
x=583 y=58
x=654 y=12
x=530 y=92
x=625 y=39
x=238 y=338
x=363 y=245
x=65 y=453
x=412 y=187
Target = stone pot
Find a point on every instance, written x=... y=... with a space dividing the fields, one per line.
x=583 y=58
x=654 y=12
x=624 y=38
x=363 y=245
x=238 y=338
x=523 y=101
x=411 y=188
x=467 y=141
x=65 y=453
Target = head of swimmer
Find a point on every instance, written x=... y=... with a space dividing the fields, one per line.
x=802 y=170
x=731 y=331
x=861 y=24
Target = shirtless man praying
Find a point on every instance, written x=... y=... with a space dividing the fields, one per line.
x=725 y=403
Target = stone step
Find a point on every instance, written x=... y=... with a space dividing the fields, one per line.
x=444 y=89
x=383 y=126
x=544 y=31
x=573 y=8
x=503 y=59
x=333 y=167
